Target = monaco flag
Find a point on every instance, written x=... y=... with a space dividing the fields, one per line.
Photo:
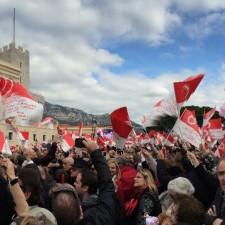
x=187 y=128
x=169 y=105
x=4 y=145
x=220 y=152
x=207 y=116
x=66 y=141
x=23 y=137
x=121 y=126
x=150 y=119
x=49 y=122
x=17 y=102
x=214 y=127
x=184 y=89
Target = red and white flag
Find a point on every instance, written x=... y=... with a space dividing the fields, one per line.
x=214 y=127
x=168 y=139
x=121 y=126
x=75 y=135
x=80 y=129
x=187 y=128
x=184 y=89
x=150 y=119
x=49 y=121
x=207 y=116
x=4 y=145
x=220 y=152
x=23 y=137
x=66 y=141
x=169 y=105
x=9 y=126
x=17 y=102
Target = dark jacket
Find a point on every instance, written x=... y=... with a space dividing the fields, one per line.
x=148 y=203
x=202 y=193
x=6 y=202
x=217 y=202
x=104 y=212
x=45 y=160
x=88 y=203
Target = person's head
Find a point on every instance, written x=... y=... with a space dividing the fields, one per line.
x=45 y=151
x=114 y=168
x=67 y=163
x=122 y=161
x=221 y=173
x=143 y=179
x=86 y=183
x=77 y=166
x=66 y=205
x=30 y=183
x=133 y=157
x=187 y=210
x=30 y=153
x=112 y=153
x=180 y=185
x=32 y=220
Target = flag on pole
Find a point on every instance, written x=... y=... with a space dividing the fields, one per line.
x=184 y=89
x=214 y=127
x=9 y=126
x=220 y=152
x=49 y=121
x=187 y=128
x=17 y=102
x=4 y=145
x=23 y=137
x=121 y=126
x=66 y=142
x=169 y=105
x=207 y=116
x=80 y=129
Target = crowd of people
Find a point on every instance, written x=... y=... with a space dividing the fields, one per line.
x=141 y=184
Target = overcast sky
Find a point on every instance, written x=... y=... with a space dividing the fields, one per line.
x=99 y=55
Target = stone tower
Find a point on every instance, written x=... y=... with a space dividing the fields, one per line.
x=19 y=58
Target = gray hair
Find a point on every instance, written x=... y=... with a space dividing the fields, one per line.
x=181 y=185
x=122 y=160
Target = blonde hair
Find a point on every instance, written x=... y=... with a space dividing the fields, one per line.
x=148 y=178
x=32 y=220
x=110 y=161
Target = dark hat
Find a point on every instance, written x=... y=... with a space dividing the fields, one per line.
x=81 y=164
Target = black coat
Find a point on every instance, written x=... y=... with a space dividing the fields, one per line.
x=104 y=213
x=217 y=202
x=202 y=193
x=6 y=203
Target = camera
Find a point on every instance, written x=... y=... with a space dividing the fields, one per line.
x=79 y=143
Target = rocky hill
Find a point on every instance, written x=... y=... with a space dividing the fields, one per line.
x=71 y=116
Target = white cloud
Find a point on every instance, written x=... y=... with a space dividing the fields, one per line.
x=70 y=60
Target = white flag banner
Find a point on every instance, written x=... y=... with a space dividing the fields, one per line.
x=169 y=105
x=187 y=128
x=4 y=145
x=207 y=116
x=150 y=119
x=17 y=102
x=49 y=122
x=214 y=127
